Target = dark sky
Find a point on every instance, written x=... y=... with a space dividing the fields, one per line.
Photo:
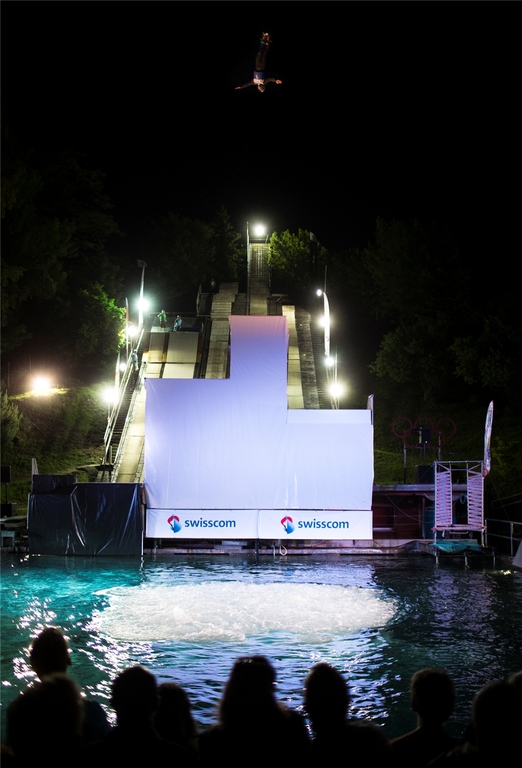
x=392 y=109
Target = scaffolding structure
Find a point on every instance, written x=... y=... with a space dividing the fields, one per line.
x=472 y=500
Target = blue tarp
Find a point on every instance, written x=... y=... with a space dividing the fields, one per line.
x=455 y=547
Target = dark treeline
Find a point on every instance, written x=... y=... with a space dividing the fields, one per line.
x=445 y=331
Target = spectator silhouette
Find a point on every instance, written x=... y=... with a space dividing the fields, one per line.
x=494 y=737
x=134 y=741
x=432 y=700
x=173 y=719
x=327 y=700
x=250 y=717
x=516 y=680
x=49 y=654
x=44 y=723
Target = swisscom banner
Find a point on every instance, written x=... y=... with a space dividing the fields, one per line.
x=258 y=524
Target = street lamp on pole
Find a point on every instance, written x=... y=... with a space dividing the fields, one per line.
x=335 y=388
x=326 y=306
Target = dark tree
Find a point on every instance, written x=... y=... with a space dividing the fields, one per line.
x=56 y=223
x=413 y=278
x=297 y=260
x=229 y=256
x=183 y=255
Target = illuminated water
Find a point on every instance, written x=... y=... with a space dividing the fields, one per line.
x=377 y=619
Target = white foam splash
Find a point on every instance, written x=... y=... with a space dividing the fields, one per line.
x=231 y=611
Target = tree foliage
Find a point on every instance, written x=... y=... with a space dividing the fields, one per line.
x=11 y=419
x=56 y=222
x=229 y=257
x=441 y=330
x=491 y=356
x=183 y=253
x=296 y=260
x=409 y=271
x=190 y=252
x=97 y=331
x=409 y=278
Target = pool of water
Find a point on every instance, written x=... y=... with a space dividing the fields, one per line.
x=378 y=619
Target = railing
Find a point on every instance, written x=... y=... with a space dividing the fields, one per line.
x=117 y=459
x=514 y=536
x=114 y=412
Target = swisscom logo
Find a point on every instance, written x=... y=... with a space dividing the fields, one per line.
x=174 y=523
x=288 y=524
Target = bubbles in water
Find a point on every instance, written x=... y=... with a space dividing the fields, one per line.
x=232 y=611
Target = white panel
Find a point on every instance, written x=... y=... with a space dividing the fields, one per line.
x=233 y=444
x=443 y=496
x=178 y=371
x=311 y=524
x=475 y=500
x=183 y=347
x=201 y=524
x=153 y=370
x=157 y=341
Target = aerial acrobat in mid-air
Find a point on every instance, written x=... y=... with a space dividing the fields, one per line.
x=259 y=78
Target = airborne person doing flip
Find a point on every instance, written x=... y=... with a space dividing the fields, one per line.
x=259 y=78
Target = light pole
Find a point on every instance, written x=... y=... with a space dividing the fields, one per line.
x=334 y=387
x=142 y=266
x=326 y=306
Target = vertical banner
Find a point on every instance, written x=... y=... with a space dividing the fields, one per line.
x=487 y=440
x=369 y=405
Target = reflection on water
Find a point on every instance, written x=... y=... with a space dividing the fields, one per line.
x=378 y=619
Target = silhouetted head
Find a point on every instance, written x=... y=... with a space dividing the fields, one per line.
x=134 y=695
x=432 y=695
x=45 y=718
x=249 y=690
x=496 y=717
x=173 y=719
x=261 y=88
x=326 y=696
x=516 y=680
x=49 y=652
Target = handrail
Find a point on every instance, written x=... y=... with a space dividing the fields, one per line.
x=511 y=537
x=115 y=411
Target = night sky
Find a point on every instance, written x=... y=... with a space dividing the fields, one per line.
x=386 y=109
